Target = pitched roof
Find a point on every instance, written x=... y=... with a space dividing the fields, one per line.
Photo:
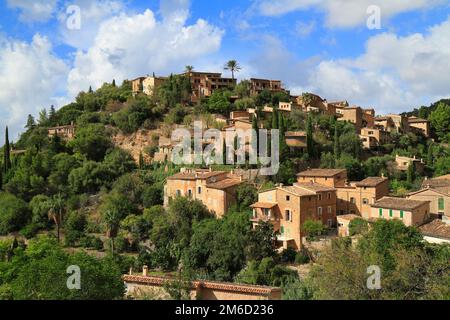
x=224 y=184
x=314 y=187
x=414 y=119
x=197 y=174
x=370 y=182
x=436 y=228
x=320 y=172
x=398 y=203
x=295 y=134
x=348 y=217
x=264 y=205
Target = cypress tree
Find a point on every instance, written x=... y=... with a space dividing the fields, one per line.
x=255 y=127
x=275 y=118
x=309 y=137
x=410 y=173
x=90 y=89
x=337 y=147
x=141 y=161
x=114 y=82
x=430 y=154
x=7 y=153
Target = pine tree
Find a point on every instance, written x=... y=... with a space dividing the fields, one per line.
x=30 y=122
x=7 y=153
x=141 y=161
x=337 y=147
x=410 y=173
x=275 y=118
x=430 y=154
x=256 y=129
x=309 y=137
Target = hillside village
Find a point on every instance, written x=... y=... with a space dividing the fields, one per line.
x=101 y=168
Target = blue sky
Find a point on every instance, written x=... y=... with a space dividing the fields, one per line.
x=320 y=46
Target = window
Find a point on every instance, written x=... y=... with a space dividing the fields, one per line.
x=199 y=190
x=390 y=213
x=352 y=200
x=380 y=212
x=288 y=198
x=330 y=209
x=329 y=195
x=190 y=193
x=366 y=201
x=330 y=223
x=401 y=214
x=320 y=196
x=441 y=204
x=178 y=193
x=266 y=212
x=319 y=211
x=288 y=215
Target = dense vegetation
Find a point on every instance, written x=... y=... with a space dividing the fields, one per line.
x=87 y=202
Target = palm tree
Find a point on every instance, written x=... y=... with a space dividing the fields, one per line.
x=189 y=69
x=56 y=212
x=111 y=218
x=233 y=66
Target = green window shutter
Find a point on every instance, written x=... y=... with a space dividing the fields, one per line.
x=282 y=230
x=441 y=204
x=401 y=214
x=390 y=213
x=380 y=211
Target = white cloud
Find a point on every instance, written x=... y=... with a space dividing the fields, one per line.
x=93 y=13
x=132 y=45
x=33 y=11
x=343 y=13
x=30 y=78
x=304 y=29
x=394 y=73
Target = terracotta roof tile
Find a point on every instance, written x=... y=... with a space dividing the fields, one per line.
x=320 y=172
x=398 y=203
x=370 y=182
x=436 y=228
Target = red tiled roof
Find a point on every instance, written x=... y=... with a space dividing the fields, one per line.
x=224 y=286
x=224 y=184
x=436 y=228
x=320 y=172
x=398 y=203
x=370 y=182
x=263 y=205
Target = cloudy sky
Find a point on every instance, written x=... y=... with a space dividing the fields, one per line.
x=320 y=46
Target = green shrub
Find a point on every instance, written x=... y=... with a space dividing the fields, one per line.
x=288 y=255
x=301 y=258
x=29 y=231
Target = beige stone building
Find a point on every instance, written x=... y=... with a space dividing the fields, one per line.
x=402 y=163
x=296 y=140
x=436 y=231
x=373 y=137
x=288 y=207
x=259 y=85
x=437 y=191
x=215 y=189
x=419 y=125
x=385 y=123
x=137 y=85
x=64 y=132
x=411 y=212
x=327 y=177
x=357 y=197
x=205 y=83
x=343 y=223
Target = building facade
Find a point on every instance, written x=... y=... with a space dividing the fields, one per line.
x=288 y=207
x=215 y=189
x=410 y=212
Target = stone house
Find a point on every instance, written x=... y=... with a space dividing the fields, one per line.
x=419 y=125
x=215 y=189
x=288 y=207
x=411 y=212
x=65 y=132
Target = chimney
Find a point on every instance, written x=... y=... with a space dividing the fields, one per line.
x=145 y=271
x=240 y=178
